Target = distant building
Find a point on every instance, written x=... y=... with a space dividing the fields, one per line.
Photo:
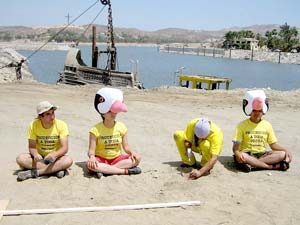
x=246 y=43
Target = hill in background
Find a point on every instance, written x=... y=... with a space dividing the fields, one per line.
x=124 y=35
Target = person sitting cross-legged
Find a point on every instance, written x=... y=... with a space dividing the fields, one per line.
x=252 y=136
x=109 y=137
x=48 y=145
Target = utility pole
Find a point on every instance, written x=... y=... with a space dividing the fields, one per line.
x=68 y=17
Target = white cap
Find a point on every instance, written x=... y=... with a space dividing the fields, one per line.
x=44 y=106
x=202 y=128
x=256 y=100
x=109 y=99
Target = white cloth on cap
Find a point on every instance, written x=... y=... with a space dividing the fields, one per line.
x=202 y=128
x=109 y=99
x=256 y=100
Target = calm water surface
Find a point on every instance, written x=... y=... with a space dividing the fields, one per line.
x=158 y=69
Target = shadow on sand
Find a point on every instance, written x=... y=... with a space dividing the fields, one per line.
x=179 y=168
x=85 y=171
x=226 y=161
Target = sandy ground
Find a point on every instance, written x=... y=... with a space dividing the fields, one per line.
x=227 y=196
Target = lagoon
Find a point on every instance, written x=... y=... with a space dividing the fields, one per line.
x=159 y=68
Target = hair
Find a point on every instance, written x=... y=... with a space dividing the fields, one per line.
x=42 y=114
x=101 y=114
x=196 y=139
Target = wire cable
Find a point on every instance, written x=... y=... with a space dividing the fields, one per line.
x=64 y=28
x=90 y=24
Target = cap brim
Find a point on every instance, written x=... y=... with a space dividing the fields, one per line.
x=118 y=106
x=47 y=109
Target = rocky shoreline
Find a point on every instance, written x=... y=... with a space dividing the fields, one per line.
x=256 y=55
x=275 y=57
x=7 y=73
x=29 y=45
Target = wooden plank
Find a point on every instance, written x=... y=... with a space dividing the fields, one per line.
x=97 y=209
x=3 y=205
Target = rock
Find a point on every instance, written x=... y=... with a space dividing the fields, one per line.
x=8 y=74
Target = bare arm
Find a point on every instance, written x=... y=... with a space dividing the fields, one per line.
x=205 y=169
x=134 y=156
x=92 y=162
x=92 y=145
x=33 y=150
x=236 y=148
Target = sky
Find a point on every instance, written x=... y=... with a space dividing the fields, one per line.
x=153 y=15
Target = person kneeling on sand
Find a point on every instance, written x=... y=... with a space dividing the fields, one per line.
x=107 y=138
x=204 y=137
x=48 y=145
x=253 y=134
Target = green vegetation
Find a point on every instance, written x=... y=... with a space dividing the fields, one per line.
x=284 y=40
x=232 y=37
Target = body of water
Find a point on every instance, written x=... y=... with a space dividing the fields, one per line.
x=159 y=69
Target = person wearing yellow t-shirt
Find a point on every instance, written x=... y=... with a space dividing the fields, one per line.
x=200 y=136
x=252 y=136
x=109 y=137
x=48 y=145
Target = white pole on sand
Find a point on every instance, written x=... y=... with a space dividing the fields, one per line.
x=97 y=209
x=3 y=205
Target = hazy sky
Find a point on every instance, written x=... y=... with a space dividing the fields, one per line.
x=153 y=15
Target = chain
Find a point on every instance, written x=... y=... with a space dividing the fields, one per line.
x=104 y=2
x=110 y=39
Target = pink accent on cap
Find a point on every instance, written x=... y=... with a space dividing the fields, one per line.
x=257 y=103
x=118 y=106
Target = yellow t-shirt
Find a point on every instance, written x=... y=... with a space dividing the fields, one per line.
x=254 y=137
x=109 y=140
x=47 y=140
x=214 y=139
